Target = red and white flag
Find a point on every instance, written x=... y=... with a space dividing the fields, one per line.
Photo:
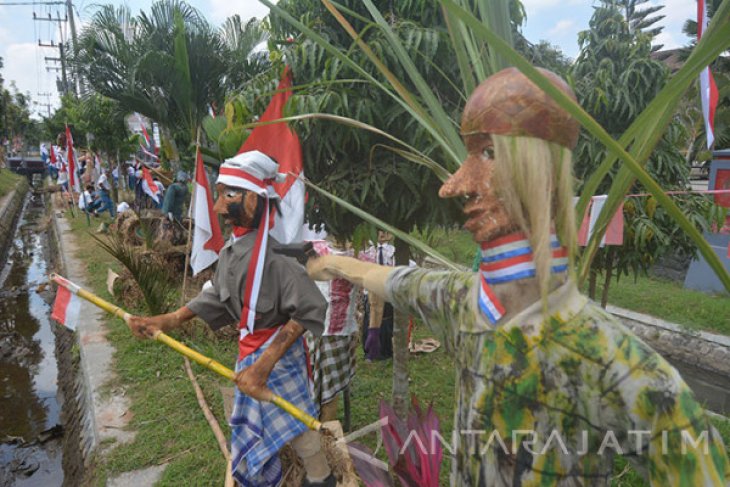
x=73 y=177
x=149 y=186
x=148 y=147
x=614 y=232
x=279 y=142
x=207 y=236
x=708 y=89
x=52 y=156
x=66 y=308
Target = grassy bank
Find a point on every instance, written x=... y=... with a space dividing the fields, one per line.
x=8 y=180
x=170 y=426
x=165 y=414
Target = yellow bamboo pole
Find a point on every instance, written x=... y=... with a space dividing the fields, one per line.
x=201 y=359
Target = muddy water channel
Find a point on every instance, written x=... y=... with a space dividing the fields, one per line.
x=30 y=429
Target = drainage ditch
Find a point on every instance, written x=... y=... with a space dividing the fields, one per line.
x=36 y=361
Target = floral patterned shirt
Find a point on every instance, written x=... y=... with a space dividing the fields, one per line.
x=548 y=398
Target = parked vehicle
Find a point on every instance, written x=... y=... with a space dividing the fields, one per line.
x=700 y=170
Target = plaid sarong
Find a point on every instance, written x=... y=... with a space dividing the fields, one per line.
x=261 y=429
x=333 y=364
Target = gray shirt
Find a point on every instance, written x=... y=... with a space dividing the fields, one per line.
x=287 y=293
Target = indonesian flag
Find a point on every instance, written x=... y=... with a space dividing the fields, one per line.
x=207 y=236
x=73 y=177
x=150 y=187
x=52 y=156
x=279 y=142
x=614 y=232
x=149 y=147
x=708 y=89
x=66 y=308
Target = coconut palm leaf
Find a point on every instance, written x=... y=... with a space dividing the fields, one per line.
x=415 y=110
x=441 y=119
x=151 y=277
x=411 y=153
x=420 y=246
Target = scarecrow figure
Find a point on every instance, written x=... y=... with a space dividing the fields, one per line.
x=274 y=302
x=550 y=386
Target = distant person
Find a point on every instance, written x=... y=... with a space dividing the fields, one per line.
x=131 y=180
x=175 y=197
x=103 y=190
x=87 y=202
x=377 y=327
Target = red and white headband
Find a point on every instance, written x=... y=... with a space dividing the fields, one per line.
x=253 y=171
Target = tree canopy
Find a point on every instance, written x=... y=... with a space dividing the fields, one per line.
x=615 y=79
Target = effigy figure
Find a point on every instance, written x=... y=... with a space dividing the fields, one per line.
x=550 y=386
x=273 y=301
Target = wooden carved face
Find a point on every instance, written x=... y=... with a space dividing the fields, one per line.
x=237 y=206
x=507 y=103
x=487 y=217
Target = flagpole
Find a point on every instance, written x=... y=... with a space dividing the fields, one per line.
x=191 y=215
x=197 y=357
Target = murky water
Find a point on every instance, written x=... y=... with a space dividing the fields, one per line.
x=711 y=389
x=30 y=446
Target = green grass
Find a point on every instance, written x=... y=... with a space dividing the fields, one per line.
x=171 y=428
x=8 y=181
x=165 y=414
x=671 y=302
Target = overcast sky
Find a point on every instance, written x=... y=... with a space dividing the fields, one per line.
x=557 y=21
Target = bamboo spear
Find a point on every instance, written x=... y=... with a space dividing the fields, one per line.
x=206 y=362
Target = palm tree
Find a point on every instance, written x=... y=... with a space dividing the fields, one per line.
x=245 y=53
x=166 y=64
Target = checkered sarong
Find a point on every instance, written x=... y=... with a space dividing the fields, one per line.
x=333 y=364
x=261 y=429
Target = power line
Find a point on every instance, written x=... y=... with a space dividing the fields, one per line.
x=11 y=4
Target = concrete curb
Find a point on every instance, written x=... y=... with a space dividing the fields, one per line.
x=105 y=414
x=702 y=349
x=10 y=206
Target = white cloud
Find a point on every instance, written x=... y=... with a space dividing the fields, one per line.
x=676 y=13
x=535 y=5
x=563 y=27
x=221 y=9
x=23 y=63
x=667 y=41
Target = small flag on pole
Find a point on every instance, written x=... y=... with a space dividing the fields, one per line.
x=709 y=95
x=73 y=177
x=149 y=186
x=614 y=232
x=66 y=308
x=207 y=236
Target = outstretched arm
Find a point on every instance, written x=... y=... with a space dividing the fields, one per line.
x=147 y=326
x=364 y=274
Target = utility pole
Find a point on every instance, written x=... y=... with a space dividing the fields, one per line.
x=47 y=104
x=64 y=87
x=72 y=23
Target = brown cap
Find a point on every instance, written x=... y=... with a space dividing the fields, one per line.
x=508 y=103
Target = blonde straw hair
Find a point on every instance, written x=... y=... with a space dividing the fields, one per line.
x=535 y=182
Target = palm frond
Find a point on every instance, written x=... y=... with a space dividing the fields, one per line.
x=150 y=276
